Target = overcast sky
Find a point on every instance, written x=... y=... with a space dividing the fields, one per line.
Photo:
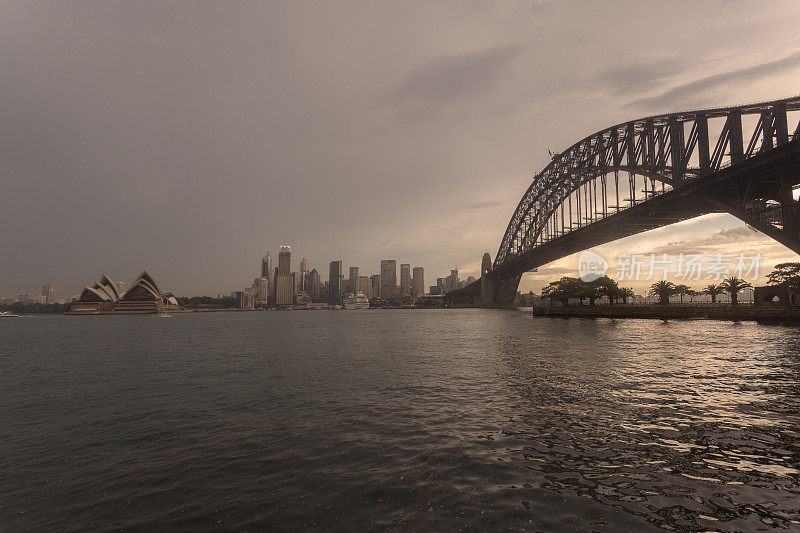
x=190 y=137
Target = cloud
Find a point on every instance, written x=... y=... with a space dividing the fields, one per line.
x=452 y=79
x=484 y=205
x=637 y=76
x=680 y=93
x=729 y=238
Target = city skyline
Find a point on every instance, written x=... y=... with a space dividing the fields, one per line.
x=439 y=137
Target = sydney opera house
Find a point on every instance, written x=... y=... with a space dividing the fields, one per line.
x=143 y=296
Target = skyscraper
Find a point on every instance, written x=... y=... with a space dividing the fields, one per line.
x=405 y=280
x=376 y=286
x=266 y=266
x=304 y=270
x=269 y=275
x=388 y=279
x=451 y=281
x=47 y=292
x=285 y=261
x=314 y=284
x=418 y=282
x=284 y=283
x=335 y=280
x=261 y=287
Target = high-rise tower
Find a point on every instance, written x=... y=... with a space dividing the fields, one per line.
x=388 y=279
x=335 y=281
x=285 y=261
x=418 y=282
x=405 y=280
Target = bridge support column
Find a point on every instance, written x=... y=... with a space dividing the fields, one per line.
x=488 y=281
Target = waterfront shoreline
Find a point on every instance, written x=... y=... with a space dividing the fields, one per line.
x=704 y=312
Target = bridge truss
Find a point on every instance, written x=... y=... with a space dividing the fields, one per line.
x=682 y=163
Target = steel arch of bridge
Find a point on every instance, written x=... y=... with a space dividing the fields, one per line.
x=655 y=154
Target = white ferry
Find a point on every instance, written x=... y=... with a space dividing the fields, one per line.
x=7 y=314
x=357 y=301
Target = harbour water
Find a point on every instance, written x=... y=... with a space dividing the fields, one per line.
x=397 y=419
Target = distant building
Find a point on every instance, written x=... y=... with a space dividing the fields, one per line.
x=268 y=272
x=285 y=261
x=376 y=286
x=144 y=296
x=388 y=279
x=47 y=293
x=314 y=285
x=261 y=286
x=451 y=281
x=418 y=282
x=284 y=289
x=304 y=270
x=405 y=280
x=350 y=285
x=335 y=283
x=266 y=266
x=364 y=284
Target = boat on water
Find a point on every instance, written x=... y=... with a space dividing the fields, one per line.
x=356 y=301
x=8 y=314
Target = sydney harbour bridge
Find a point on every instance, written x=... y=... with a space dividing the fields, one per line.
x=651 y=172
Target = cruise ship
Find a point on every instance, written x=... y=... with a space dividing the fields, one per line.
x=357 y=301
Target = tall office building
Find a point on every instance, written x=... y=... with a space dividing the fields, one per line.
x=418 y=282
x=284 y=281
x=451 y=281
x=266 y=266
x=47 y=292
x=261 y=287
x=314 y=284
x=285 y=261
x=284 y=290
x=335 y=281
x=364 y=285
x=405 y=280
x=304 y=270
x=388 y=279
x=353 y=273
x=376 y=286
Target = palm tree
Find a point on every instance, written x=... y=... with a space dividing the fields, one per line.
x=713 y=290
x=734 y=286
x=682 y=289
x=625 y=293
x=691 y=293
x=662 y=289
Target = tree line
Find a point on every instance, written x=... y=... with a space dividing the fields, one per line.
x=567 y=288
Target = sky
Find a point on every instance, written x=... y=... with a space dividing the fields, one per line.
x=188 y=137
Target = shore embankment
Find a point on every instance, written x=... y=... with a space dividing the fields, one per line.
x=715 y=312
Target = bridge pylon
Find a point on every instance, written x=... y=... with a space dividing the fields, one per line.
x=488 y=281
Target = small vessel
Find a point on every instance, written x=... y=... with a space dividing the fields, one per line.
x=165 y=315
x=356 y=301
x=8 y=314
